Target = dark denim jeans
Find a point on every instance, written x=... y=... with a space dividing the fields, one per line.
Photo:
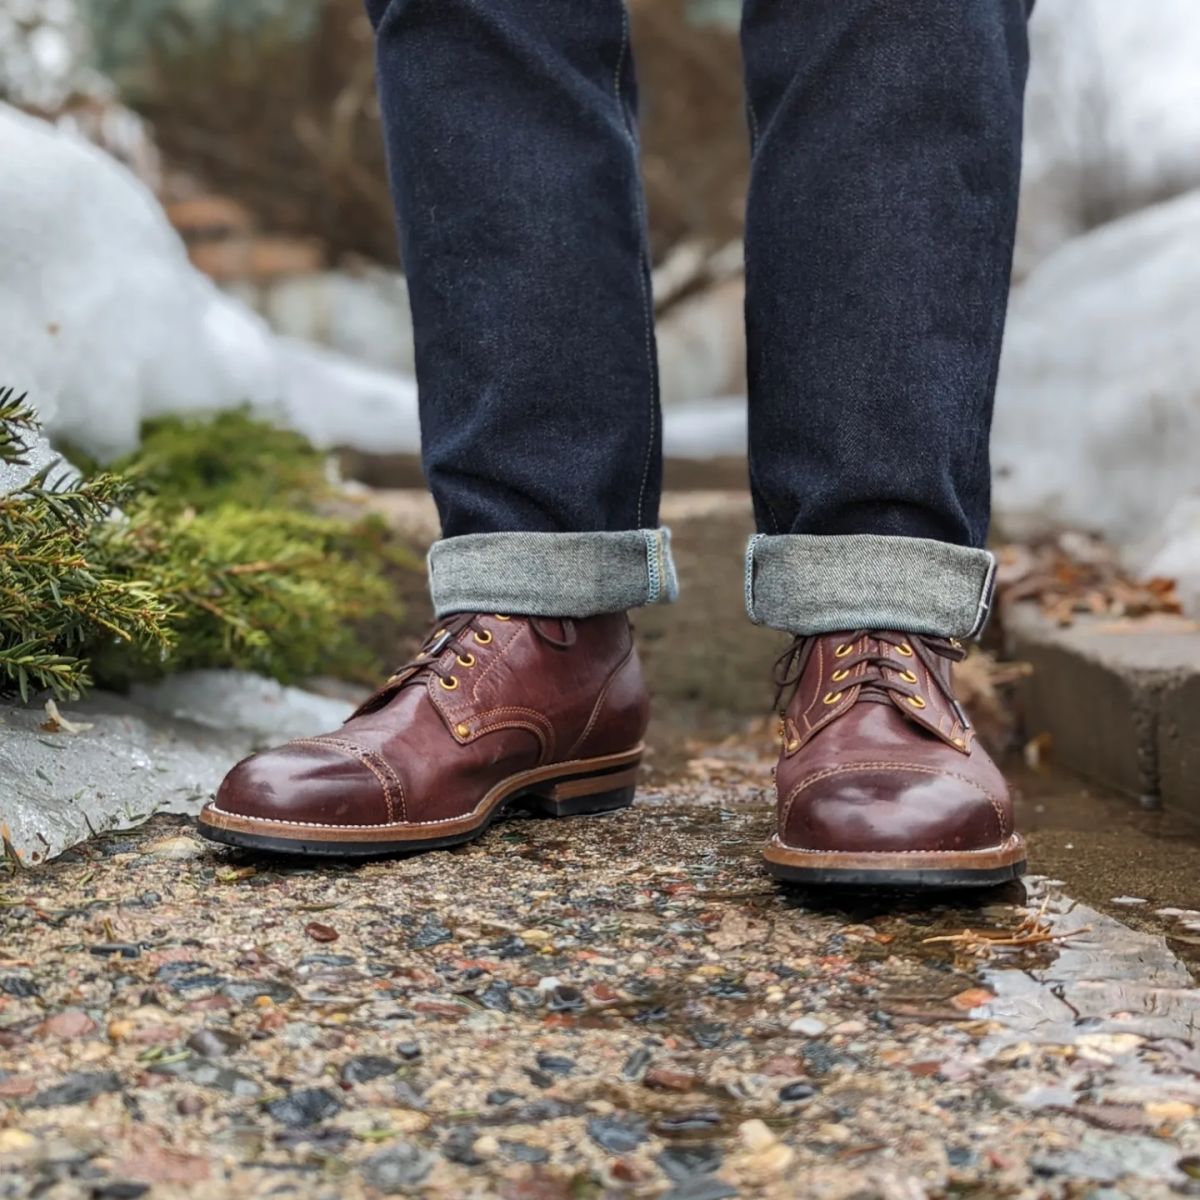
x=879 y=230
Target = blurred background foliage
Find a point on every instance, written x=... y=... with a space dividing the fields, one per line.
x=272 y=103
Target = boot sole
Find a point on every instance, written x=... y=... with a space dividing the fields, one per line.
x=910 y=871
x=570 y=789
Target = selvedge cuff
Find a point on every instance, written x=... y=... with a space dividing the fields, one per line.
x=813 y=583
x=552 y=574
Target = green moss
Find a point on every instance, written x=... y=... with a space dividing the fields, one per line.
x=219 y=557
x=226 y=459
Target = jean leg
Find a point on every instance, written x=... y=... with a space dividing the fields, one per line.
x=512 y=152
x=879 y=234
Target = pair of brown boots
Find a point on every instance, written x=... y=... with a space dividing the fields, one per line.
x=880 y=779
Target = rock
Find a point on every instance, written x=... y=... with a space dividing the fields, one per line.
x=246 y=991
x=206 y=1074
x=807 y=1027
x=16 y=1141
x=635 y=1065
x=138 y=758
x=685 y=1162
x=618 y=1134
x=398 y=1168
x=242 y=701
x=367 y=1067
x=179 y=848
x=77 y=1089
x=19 y=986
x=486 y=1147
x=524 y=1153
x=792 y=1092
x=214 y=1043
x=308 y=1106
x=69 y=1024
x=755 y=1135
x=663 y=1079
x=707 y=1187
x=555 y=1064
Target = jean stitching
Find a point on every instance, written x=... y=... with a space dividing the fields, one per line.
x=643 y=264
x=653 y=582
x=984 y=610
x=749 y=580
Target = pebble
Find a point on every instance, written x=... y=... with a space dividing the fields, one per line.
x=398 y=1168
x=707 y=1187
x=177 y=848
x=808 y=1027
x=77 y=1089
x=556 y=1064
x=486 y=1147
x=796 y=1091
x=308 y=1106
x=366 y=1067
x=213 y=1043
x=525 y=1153
x=636 y=1064
x=409 y=1051
x=685 y=1162
x=663 y=1079
x=618 y=1134
x=19 y=986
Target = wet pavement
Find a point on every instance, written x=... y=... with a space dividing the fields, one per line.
x=619 y=1006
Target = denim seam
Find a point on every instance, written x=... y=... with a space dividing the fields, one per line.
x=749 y=580
x=654 y=584
x=985 y=601
x=643 y=263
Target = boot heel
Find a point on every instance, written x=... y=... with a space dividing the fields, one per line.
x=584 y=794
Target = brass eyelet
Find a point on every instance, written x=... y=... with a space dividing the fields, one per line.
x=793 y=745
x=838 y=676
x=501 y=617
x=916 y=701
x=449 y=684
x=462 y=730
x=908 y=677
x=905 y=649
x=483 y=636
x=468 y=661
x=842 y=650
x=831 y=697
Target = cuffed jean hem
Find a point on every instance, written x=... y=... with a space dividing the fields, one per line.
x=809 y=584
x=552 y=574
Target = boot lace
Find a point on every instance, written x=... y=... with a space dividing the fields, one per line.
x=882 y=652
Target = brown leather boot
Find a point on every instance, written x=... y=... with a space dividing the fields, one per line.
x=880 y=780
x=494 y=710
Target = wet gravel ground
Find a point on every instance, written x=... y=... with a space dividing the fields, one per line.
x=615 y=1006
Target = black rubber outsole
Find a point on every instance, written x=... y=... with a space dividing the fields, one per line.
x=917 y=880
x=318 y=848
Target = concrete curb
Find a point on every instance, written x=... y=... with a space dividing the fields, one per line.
x=1120 y=699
